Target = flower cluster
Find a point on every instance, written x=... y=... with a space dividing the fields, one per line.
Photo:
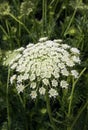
x=4 y=8
x=44 y=66
x=26 y=8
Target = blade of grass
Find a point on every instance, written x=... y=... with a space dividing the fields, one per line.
x=80 y=112
x=4 y=31
x=22 y=24
x=70 y=22
x=7 y=101
x=44 y=17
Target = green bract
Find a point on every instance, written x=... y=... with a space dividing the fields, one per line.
x=44 y=66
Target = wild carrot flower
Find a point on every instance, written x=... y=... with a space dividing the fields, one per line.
x=44 y=66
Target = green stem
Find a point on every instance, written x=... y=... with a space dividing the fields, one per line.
x=21 y=23
x=49 y=111
x=71 y=96
x=21 y=100
x=80 y=112
x=7 y=26
x=44 y=17
x=4 y=31
x=7 y=101
x=70 y=22
x=24 y=108
x=9 y=34
x=72 y=92
x=19 y=34
x=86 y=118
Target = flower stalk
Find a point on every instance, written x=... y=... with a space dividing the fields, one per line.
x=71 y=96
x=44 y=17
x=49 y=111
x=7 y=101
x=72 y=92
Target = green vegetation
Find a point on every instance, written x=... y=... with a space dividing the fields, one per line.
x=23 y=22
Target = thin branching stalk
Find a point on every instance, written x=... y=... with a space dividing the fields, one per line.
x=44 y=17
x=59 y=13
x=19 y=34
x=80 y=112
x=7 y=101
x=21 y=100
x=24 y=108
x=71 y=96
x=4 y=31
x=86 y=118
x=8 y=26
x=49 y=111
x=52 y=2
x=70 y=22
x=72 y=92
x=21 y=23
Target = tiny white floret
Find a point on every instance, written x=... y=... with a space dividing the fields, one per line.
x=53 y=93
x=64 y=84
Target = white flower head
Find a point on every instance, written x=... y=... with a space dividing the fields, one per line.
x=45 y=81
x=30 y=45
x=33 y=94
x=65 y=72
x=65 y=46
x=76 y=59
x=33 y=85
x=12 y=79
x=14 y=66
x=64 y=84
x=75 y=50
x=56 y=74
x=32 y=77
x=19 y=78
x=70 y=63
x=54 y=83
x=20 y=49
x=74 y=73
x=43 y=39
x=26 y=76
x=61 y=65
x=58 y=40
x=42 y=90
x=46 y=63
x=53 y=93
x=20 y=88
